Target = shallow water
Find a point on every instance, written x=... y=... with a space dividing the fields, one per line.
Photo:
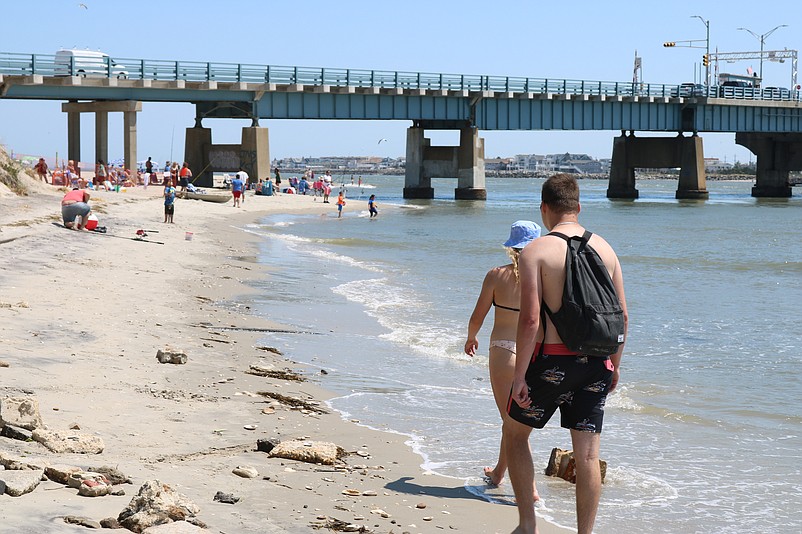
x=704 y=432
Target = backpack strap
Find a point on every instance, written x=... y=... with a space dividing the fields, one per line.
x=585 y=237
x=543 y=322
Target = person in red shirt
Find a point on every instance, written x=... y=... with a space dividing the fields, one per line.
x=41 y=169
x=75 y=209
x=184 y=176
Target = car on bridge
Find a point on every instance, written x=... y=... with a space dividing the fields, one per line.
x=87 y=63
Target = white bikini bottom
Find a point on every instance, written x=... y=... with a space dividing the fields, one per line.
x=506 y=344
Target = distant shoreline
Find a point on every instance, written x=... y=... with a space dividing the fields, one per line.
x=520 y=174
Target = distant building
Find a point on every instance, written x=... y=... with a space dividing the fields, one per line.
x=714 y=165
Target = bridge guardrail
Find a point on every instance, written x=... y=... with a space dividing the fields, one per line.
x=16 y=64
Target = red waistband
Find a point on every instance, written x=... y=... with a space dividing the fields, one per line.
x=554 y=349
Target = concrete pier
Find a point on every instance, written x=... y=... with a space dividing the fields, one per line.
x=630 y=152
x=465 y=162
x=74 y=136
x=196 y=153
x=777 y=154
x=102 y=136
x=101 y=110
x=205 y=158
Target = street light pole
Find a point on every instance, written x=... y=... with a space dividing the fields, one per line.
x=707 y=47
x=762 y=39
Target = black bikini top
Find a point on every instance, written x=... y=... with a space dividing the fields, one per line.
x=504 y=307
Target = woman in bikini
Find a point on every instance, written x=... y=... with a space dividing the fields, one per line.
x=502 y=290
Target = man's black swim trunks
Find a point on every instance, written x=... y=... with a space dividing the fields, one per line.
x=575 y=384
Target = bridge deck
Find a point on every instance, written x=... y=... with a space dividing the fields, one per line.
x=488 y=102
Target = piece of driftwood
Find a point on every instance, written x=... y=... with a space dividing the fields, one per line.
x=313 y=452
x=281 y=374
x=563 y=465
x=292 y=402
x=338 y=525
x=274 y=350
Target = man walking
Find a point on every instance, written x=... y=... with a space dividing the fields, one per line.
x=237 y=190
x=547 y=374
x=243 y=176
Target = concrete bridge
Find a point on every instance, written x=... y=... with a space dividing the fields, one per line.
x=769 y=123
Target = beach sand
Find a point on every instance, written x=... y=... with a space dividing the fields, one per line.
x=82 y=316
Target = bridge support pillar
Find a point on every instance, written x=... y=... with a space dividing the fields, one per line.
x=102 y=136
x=255 y=152
x=74 y=136
x=622 y=175
x=129 y=140
x=471 y=170
x=101 y=109
x=630 y=152
x=416 y=183
x=465 y=162
x=196 y=154
x=692 y=178
x=777 y=154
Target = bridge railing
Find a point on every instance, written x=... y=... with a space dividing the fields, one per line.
x=196 y=71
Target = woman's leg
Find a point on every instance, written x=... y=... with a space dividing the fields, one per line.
x=502 y=371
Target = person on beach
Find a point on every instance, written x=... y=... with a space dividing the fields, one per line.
x=149 y=166
x=236 y=190
x=244 y=178
x=169 y=201
x=174 y=170
x=340 y=204
x=184 y=176
x=501 y=289
x=100 y=175
x=41 y=169
x=547 y=374
x=278 y=181
x=372 y=206
x=75 y=209
x=267 y=187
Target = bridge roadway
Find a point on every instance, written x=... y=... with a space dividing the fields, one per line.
x=767 y=122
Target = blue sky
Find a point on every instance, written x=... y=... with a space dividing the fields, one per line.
x=576 y=40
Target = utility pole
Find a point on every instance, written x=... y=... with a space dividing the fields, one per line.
x=706 y=61
x=762 y=39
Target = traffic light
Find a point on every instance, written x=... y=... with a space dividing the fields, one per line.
x=706 y=60
x=669 y=44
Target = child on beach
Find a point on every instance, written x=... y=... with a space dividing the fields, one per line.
x=340 y=204
x=372 y=206
x=169 y=201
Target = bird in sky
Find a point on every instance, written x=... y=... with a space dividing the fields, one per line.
x=380 y=141
x=83 y=6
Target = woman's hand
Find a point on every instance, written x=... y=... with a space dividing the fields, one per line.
x=470 y=346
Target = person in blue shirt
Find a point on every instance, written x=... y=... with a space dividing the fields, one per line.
x=169 y=201
x=372 y=206
x=236 y=189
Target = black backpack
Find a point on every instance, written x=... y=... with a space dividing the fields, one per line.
x=590 y=320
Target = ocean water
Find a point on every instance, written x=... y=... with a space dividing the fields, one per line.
x=705 y=431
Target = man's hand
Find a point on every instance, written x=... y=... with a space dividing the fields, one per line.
x=520 y=393
x=614 y=383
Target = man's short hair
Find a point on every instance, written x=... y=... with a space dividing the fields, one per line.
x=561 y=194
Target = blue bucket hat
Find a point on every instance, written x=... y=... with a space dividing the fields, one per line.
x=522 y=233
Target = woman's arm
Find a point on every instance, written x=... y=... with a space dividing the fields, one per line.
x=483 y=304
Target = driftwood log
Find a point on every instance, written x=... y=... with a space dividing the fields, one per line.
x=563 y=465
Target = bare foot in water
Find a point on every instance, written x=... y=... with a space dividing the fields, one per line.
x=492 y=478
